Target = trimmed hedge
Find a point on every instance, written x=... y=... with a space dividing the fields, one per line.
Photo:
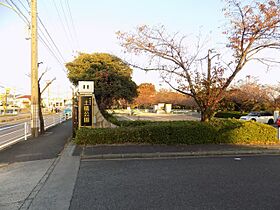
x=181 y=132
x=229 y=114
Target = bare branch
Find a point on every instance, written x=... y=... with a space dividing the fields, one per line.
x=43 y=73
x=47 y=85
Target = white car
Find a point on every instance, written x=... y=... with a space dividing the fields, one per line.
x=262 y=117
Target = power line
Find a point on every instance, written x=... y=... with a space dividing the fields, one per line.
x=52 y=40
x=28 y=2
x=72 y=23
x=66 y=20
x=19 y=12
x=24 y=5
x=45 y=31
x=51 y=51
x=63 y=26
x=46 y=43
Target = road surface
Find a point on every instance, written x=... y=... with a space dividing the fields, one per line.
x=188 y=183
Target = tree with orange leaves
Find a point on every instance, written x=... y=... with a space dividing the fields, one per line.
x=146 y=95
x=253 y=28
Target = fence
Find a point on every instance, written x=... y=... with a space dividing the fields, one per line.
x=12 y=134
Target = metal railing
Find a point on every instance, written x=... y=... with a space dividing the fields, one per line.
x=10 y=135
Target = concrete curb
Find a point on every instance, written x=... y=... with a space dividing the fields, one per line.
x=180 y=154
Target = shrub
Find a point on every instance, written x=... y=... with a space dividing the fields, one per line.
x=126 y=123
x=181 y=132
x=246 y=132
x=229 y=114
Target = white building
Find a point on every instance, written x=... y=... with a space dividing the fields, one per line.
x=23 y=101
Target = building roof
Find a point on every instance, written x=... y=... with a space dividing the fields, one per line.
x=25 y=96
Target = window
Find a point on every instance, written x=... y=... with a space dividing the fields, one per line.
x=253 y=114
x=268 y=114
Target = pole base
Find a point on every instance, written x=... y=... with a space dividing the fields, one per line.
x=34 y=132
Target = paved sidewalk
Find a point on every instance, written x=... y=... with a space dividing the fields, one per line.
x=19 y=180
x=57 y=192
x=154 y=151
x=47 y=146
x=39 y=173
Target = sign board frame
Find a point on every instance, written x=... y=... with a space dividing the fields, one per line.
x=86 y=111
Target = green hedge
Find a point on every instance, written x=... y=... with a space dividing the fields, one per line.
x=229 y=114
x=182 y=132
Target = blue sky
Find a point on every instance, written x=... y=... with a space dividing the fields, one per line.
x=96 y=23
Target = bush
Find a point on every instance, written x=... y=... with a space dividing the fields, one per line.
x=181 y=132
x=135 y=123
x=229 y=114
x=244 y=132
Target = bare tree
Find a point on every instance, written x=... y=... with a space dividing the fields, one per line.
x=273 y=92
x=42 y=124
x=253 y=28
x=41 y=118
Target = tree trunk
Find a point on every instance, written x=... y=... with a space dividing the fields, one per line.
x=42 y=125
x=206 y=114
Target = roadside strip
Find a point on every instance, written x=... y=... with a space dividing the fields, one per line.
x=179 y=154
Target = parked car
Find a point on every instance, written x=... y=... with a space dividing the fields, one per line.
x=262 y=117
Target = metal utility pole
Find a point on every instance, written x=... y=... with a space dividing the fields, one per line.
x=34 y=72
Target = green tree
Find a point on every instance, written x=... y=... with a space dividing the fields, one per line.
x=111 y=76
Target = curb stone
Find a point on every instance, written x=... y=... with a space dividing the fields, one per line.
x=180 y=154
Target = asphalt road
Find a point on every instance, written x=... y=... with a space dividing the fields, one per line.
x=189 y=183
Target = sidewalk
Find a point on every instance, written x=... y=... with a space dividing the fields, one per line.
x=158 y=151
x=47 y=146
x=39 y=173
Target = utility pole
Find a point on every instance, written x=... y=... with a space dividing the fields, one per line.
x=34 y=72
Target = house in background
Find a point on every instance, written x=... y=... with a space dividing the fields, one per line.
x=23 y=101
x=58 y=104
x=48 y=104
